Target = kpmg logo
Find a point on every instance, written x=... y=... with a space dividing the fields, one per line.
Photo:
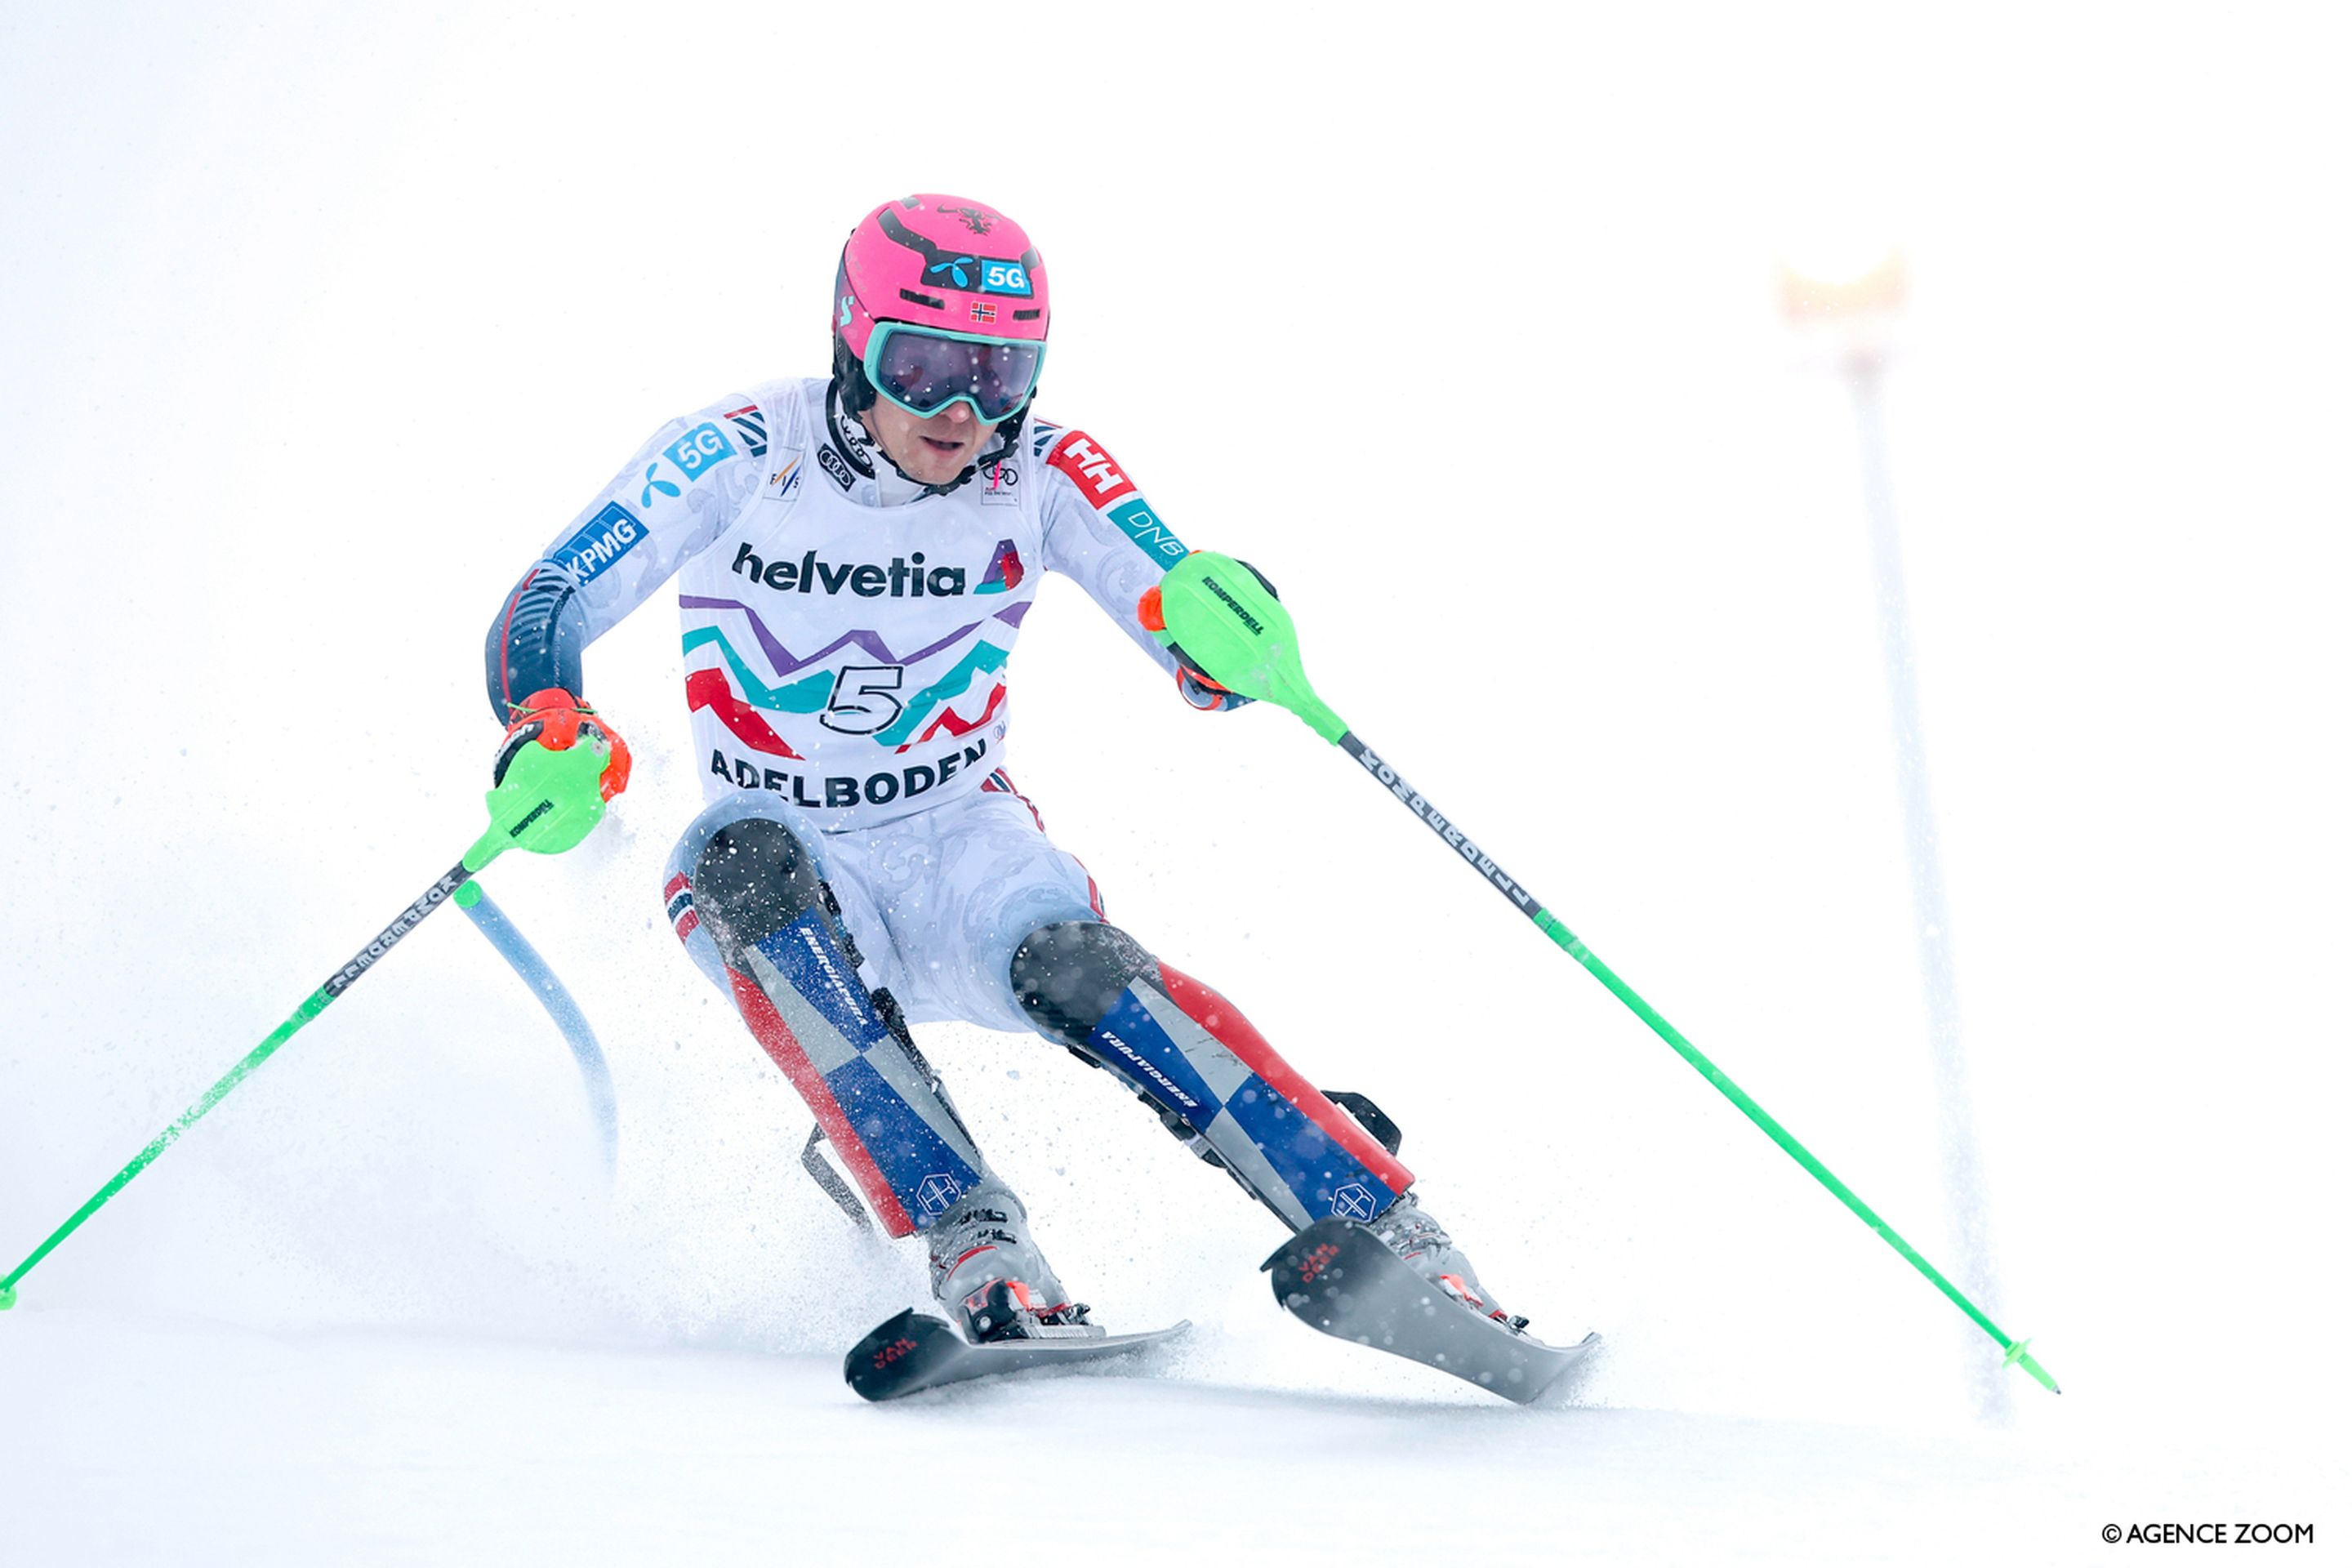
x=602 y=540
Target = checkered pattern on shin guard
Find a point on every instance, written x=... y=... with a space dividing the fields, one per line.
x=904 y=1147
x=1193 y=1052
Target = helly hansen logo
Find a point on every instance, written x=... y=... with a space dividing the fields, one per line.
x=1091 y=469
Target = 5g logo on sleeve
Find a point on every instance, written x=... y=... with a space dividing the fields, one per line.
x=700 y=450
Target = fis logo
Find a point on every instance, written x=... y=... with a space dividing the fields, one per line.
x=602 y=540
x=785 y=483
x=1091 y=469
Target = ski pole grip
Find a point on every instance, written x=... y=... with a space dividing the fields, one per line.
x=546 y=801
x=1222 y=618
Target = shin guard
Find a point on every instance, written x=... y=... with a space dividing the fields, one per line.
x=1192 y=1055
x=794 y=970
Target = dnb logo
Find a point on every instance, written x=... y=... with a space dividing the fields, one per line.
x=1139 y=522
x=937 y=1192
x=1005 y=569
x=1091 y=469
x=699 y=451
x=602 y=540
x=1354 y=1201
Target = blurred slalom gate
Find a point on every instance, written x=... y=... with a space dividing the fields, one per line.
x=1847 y=307
x=595 y=1078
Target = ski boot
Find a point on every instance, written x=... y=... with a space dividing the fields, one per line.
x=990 y=1277
x=1414 y=1235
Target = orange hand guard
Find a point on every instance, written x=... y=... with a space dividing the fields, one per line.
x=555 y=718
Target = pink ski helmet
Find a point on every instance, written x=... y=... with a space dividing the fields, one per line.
x=927 y=271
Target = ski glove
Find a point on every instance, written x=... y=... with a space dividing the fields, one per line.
x=1199 y=689
x=556 y=720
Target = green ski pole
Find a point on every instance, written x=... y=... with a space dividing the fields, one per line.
x=1225 y=618
x=547 y=803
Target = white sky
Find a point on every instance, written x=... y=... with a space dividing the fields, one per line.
x=319 y=322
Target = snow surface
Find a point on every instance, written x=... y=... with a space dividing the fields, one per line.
x=422 y=1447
x=318 y=323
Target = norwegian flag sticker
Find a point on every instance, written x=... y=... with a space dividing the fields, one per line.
x=984 y=312
x=1091 y=469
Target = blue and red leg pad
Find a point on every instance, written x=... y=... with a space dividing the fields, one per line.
x=1249 y=1105
x=890 y=1127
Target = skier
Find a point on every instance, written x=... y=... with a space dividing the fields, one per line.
x=855 y=557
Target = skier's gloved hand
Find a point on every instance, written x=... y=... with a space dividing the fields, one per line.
x=1199 y=686
x=556 y=720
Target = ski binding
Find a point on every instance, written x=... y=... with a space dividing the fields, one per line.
x=916 y=1351
x=1338 y=1277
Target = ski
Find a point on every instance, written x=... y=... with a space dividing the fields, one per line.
x=914 y=1351
x=1338 y=1277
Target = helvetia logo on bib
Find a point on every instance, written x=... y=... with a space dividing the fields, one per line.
x=906 y=578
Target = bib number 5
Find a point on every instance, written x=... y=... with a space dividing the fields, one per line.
x=862 y=701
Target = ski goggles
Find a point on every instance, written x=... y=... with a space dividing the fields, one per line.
x=924 y=369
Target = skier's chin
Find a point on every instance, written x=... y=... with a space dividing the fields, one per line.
x=937 y=460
